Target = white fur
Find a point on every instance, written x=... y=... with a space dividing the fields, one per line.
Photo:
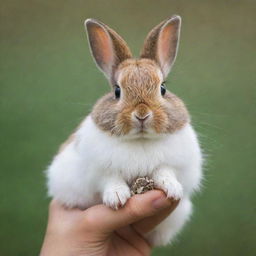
x=96 y=167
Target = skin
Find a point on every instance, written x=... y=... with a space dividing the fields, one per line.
x=101 y=231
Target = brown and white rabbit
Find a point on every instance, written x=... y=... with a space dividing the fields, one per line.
x=137 y=129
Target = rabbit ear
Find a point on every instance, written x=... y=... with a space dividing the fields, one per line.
x=161 y=43
x=107 y=47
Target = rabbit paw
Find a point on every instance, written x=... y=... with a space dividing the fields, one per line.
x=169 y=185
x=117 y=196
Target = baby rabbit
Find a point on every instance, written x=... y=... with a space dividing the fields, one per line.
x=137 y=129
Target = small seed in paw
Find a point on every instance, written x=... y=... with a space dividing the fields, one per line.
x=141 y=185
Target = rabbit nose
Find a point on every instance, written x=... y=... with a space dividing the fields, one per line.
x=142 y=119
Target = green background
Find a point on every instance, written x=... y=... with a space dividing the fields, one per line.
x=49 y=82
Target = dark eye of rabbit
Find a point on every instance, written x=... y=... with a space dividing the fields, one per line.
x=163 y=89
x=117 y=91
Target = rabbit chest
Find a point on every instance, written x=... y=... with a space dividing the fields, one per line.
x=109 y=155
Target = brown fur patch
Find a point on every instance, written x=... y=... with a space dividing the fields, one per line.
x=105 y=112
x=122 y=50
x=142 y=110
x=149 y=48
x=140 y=82
x=177 y=113
x=139 y=79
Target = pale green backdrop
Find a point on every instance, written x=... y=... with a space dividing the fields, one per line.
x=48 y=83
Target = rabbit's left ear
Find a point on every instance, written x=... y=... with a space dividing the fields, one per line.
x=161 y=44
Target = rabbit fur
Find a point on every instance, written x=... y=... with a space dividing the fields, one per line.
x=138 y=129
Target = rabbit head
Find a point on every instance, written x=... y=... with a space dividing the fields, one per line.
x=139 y=104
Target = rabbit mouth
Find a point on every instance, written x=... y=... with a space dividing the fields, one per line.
x=143 y=128
x=142 y=122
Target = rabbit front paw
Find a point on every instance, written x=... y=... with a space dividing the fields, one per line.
x=116 y=197
x=169 y=184
x=173 y=190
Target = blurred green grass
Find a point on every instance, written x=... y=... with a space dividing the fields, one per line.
x=49 y=82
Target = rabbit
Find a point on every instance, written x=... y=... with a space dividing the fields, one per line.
x=138 y=129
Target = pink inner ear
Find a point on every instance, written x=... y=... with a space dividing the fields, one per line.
x=103 y=50
x=167 y=43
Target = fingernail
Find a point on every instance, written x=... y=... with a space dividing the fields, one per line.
x=161 y=203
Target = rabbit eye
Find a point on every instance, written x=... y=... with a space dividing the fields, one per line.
x=163 y=89
x=117 y=91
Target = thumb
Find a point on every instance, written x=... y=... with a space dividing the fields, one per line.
x=105 y=219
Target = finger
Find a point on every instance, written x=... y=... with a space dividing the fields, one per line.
x=146 y=225
x=103 y=218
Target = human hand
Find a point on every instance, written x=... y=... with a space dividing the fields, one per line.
x=101 y=231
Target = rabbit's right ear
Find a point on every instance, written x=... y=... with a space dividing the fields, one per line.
x=107 y=47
